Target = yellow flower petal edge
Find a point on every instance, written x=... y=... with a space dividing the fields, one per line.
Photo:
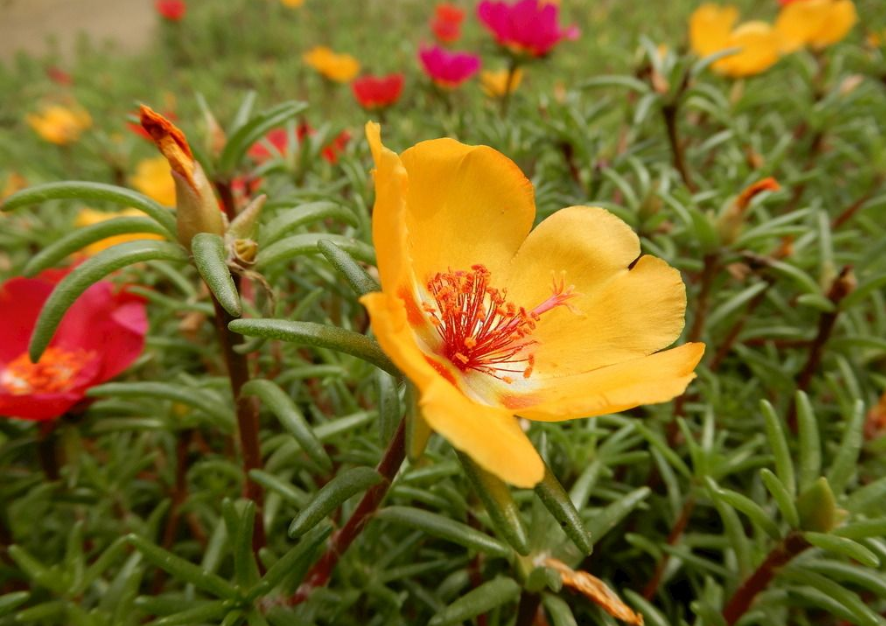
x=816 y=23
x=88 y=217
x=709 y=28
x=491 y=321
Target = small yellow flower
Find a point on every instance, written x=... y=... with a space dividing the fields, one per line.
x=815 y=23
x=495 y=84
x=293 y=4
x=59 y=124
x=341 y=68
x=88 y=217
x=152 y=178
x=712 y=29
x=491 y=321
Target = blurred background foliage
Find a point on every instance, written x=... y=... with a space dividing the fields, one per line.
x=770 y=465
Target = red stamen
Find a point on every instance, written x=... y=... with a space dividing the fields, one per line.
x=480 y=330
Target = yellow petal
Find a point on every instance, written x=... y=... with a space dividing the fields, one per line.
x=153 y=179
x=709 y=28
x=497 y=84
x=799 y=23
x=619 y=314
x=388 y=214
x=491 y=436
x=465 y=205
x=760 y=46
x=842 y=16
x=392 y=328
x=647 y=380
x=88 y=217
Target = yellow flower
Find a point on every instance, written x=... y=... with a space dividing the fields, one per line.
x=816 y=23
x=712 y=29
x=59 y=124
x=495 y=84
x=491 y=321
x=294 y=4
x=88 y=217
x=341 y=68
x=152 y=178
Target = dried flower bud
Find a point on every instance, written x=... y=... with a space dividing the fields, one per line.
x=197 y=210
x=596 y=591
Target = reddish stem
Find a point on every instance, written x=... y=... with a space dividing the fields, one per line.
x=840 y=288
x=341 y=540
x=784 y=552
x=674 y=536
x=179 y=496
x=247 y=417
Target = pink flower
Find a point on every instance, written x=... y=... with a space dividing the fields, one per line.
x=99 y=337
x=526 y=26
x=448 y=69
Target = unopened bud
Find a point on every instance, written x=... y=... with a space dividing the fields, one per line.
x=817 y=508
x=731 y=222
x=197 y=210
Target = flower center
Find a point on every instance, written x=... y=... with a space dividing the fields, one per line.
x=56 y=372
x=480 y=329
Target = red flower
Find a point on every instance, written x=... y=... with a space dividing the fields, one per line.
x=172 y=10
x=99 y=337
x=446 y=23
x=59 y=76
x=377 y=92
x=279 y=138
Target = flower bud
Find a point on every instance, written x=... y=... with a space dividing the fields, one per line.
x=731 y=222
x=818 y=508
x=197 y=209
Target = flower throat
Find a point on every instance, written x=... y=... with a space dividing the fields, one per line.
x=480 y=329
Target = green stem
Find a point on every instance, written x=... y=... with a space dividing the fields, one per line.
x=513 y=66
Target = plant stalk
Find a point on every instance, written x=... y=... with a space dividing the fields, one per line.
x=341 y=540
x=673 y=537
x=670 y=112
x=841 y=287
x=513 y=65
x=247 y=417
x=527 y=610
x=783 y=553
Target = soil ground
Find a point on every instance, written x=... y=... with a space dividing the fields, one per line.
x=29 y=25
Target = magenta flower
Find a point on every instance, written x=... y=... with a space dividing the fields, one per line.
x=525 y=27
x=448 y=69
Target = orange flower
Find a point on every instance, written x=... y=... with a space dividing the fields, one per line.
x=563 y=322
x=59 y=124
x=712 y=29
x=88 y=217
x=815 y=23
x=340 y=68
